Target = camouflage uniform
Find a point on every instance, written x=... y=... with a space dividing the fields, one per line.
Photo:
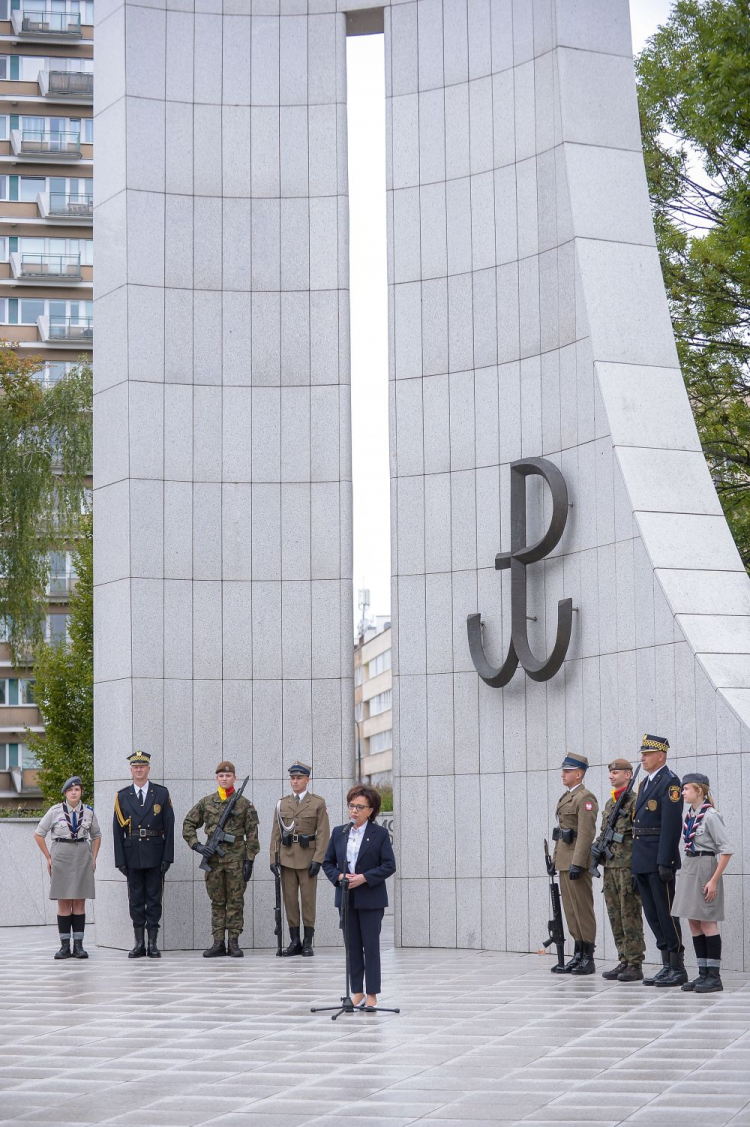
x=224 y=884
x=623 y=904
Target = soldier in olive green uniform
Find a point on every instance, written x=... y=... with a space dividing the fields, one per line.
x=573 y=836
x=227 y=880
x=300 y=839
x=620 y=891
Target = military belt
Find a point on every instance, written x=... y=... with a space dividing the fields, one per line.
x=148 y=833
x=646 y=831
x=70 y=841
x=701 y=853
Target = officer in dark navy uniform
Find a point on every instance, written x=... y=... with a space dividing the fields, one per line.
x=657 y=832
x=143 y=827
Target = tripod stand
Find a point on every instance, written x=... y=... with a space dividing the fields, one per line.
x=347 y=1005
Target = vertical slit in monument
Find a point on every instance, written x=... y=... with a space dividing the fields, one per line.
x=368 y=296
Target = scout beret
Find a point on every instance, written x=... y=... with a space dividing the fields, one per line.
x=139 y=757
x=73 y=781
x=655 y=743
x=696 y=777
x=576 y=761
x=298 y=768
x=225 y=765
x=620 y=765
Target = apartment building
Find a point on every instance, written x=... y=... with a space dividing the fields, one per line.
x=46 y=267
x=373 y=710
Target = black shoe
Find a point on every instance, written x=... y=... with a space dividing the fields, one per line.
x=153 y=951
x=711 y=983
x=702 y=972
x=676 y=975
x=632 y=973
x=307 y=947
x=78 y=951
x=587 y=964
x=295 y=947
x=613 y=974
x=661 y=973
x=234 y=948
x=577 y=955
x=216 y=949
x=139 y=950
x=64 y=952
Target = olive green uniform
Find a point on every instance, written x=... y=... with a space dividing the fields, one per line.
x=623 y=904
x=224 y=883
x=577 y=811
x=308 y=817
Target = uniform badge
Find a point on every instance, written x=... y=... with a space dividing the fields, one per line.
x=652 y=804
x=157 y=808
x=674 y=793
x=589 y=805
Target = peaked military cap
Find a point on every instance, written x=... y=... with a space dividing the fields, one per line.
x=298 y=768
x=572 y=762
x=73 y=781
x=140 y=757
x=655 y=743
x=620 y=765
x=225 y=765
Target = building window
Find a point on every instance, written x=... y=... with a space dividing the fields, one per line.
x=383 y=741
x=4 y=66
x=16 y=690
x=57 y=628
x=16 y=755
x=3 y=310
x=357 y=674
x=3 y=187
x=379 y=664
x=31 y=308
x=380 y=703
x=25 y=690
x=3 y=127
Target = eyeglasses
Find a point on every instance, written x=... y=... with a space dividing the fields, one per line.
x=357 y=806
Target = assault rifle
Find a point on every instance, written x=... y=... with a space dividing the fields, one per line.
x=555 y=925
x=212 y=848
x=602 y=850
x=277 y=907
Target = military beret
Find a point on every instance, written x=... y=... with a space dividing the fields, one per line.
x=696 y=777
x=225 y=765
x=620 y=765
x=572 y=762
x=140 y=757
x=655 y=743
x=73 y=781
x=298 y=768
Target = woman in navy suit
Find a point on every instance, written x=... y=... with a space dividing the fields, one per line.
x=362 y=849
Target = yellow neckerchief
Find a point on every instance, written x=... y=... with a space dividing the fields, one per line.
x=224 y=794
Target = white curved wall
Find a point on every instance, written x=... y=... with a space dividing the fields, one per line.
x=529 y=319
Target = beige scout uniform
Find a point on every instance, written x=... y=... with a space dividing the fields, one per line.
x=577 y=811
x=308 y=817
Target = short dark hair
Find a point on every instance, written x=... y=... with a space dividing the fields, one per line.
x=370 y=795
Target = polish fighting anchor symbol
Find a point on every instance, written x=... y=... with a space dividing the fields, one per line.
x=516 y=559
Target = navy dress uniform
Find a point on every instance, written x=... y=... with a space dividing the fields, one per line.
x=143 y=827
x=657 y=831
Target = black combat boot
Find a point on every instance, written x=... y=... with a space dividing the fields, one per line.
x=676 y=974
x=153 y=951
x=234 y=948
x=577 y=956
x=632 y=973
x=615 y=973
x=307 y=947
x=659 y=974
x=711 y=983
x=78 y=951
x=139 y=950
x=587 y=964
x=295 y=947
x=217 y=948
x=702 y=972
x=64 y=952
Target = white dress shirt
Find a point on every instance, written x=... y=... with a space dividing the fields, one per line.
x=353 y=846
x=144 y=788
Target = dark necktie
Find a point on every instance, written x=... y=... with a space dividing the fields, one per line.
x=140 y=797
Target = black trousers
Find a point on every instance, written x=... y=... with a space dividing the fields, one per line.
x=144 y=896
x=657 y=900
x=364 y=948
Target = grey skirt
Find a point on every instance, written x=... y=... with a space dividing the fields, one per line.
x=72 y=872
x=689 y=901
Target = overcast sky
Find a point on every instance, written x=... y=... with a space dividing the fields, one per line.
x=369 y=306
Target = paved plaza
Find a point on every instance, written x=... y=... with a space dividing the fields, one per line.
x=482 y=1038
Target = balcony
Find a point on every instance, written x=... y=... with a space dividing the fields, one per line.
x=48 y=26
x=66 y=332
x=72 y=85
x=39 y=144
x=60 y=206
x=59 y=269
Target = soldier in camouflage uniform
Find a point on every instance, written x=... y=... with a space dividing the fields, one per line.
x=227 y=880
x=620 y=891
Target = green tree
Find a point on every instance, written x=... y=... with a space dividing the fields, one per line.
x=694 y=95
x=64 y=686
x=45 y=457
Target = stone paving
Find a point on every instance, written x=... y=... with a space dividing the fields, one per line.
x=482 y=1038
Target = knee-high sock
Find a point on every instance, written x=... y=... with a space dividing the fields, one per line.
x=79 y=924
x=63 y=926
x=699 y=943
x=713 y=951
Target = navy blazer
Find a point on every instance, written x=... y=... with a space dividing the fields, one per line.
x=131 y=850
x=375 y=861
x=658 y=812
